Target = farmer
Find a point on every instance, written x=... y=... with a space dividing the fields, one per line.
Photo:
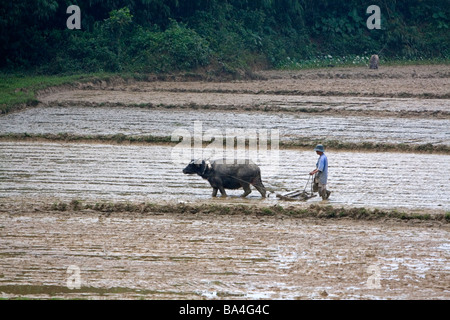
x=321 y=172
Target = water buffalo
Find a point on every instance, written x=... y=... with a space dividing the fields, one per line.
x=222 y=175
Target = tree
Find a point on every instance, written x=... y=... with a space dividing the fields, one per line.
x=117 y=24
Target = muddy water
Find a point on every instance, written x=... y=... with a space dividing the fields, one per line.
x=137 y=121
x=147 y=173
x=198 y=257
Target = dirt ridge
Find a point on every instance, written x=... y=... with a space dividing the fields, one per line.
x=289 y=210
x=301 y=143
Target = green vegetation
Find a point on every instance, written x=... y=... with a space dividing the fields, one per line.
x=211 y=37
x=355 y=61
x=21 y=89
x=220 y=36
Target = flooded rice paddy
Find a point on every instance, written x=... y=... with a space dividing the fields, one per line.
x=215 y=256
x=148 y=173
x=157 y=122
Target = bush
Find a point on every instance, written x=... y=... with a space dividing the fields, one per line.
x=179 y=48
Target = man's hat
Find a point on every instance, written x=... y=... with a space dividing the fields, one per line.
x=319 y=148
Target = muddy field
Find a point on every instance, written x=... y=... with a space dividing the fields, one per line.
x=162 y=122
x=147 y=173
x=397 y=82
x=209 y=256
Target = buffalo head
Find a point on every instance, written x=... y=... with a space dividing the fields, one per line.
x=197 y=167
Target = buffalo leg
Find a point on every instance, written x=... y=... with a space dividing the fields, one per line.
x=261 y=190
x=247 y=190
x=222 y=191
x=257 y=183
x=214 y=194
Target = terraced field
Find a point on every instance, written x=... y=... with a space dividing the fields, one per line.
x=388 y=134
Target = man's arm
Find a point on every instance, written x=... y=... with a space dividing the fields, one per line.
x=319 y=167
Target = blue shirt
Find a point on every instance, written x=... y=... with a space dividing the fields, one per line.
x=322 y=166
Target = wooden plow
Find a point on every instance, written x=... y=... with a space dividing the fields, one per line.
x=298 y=195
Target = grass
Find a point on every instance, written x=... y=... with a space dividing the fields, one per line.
x=20 y=89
